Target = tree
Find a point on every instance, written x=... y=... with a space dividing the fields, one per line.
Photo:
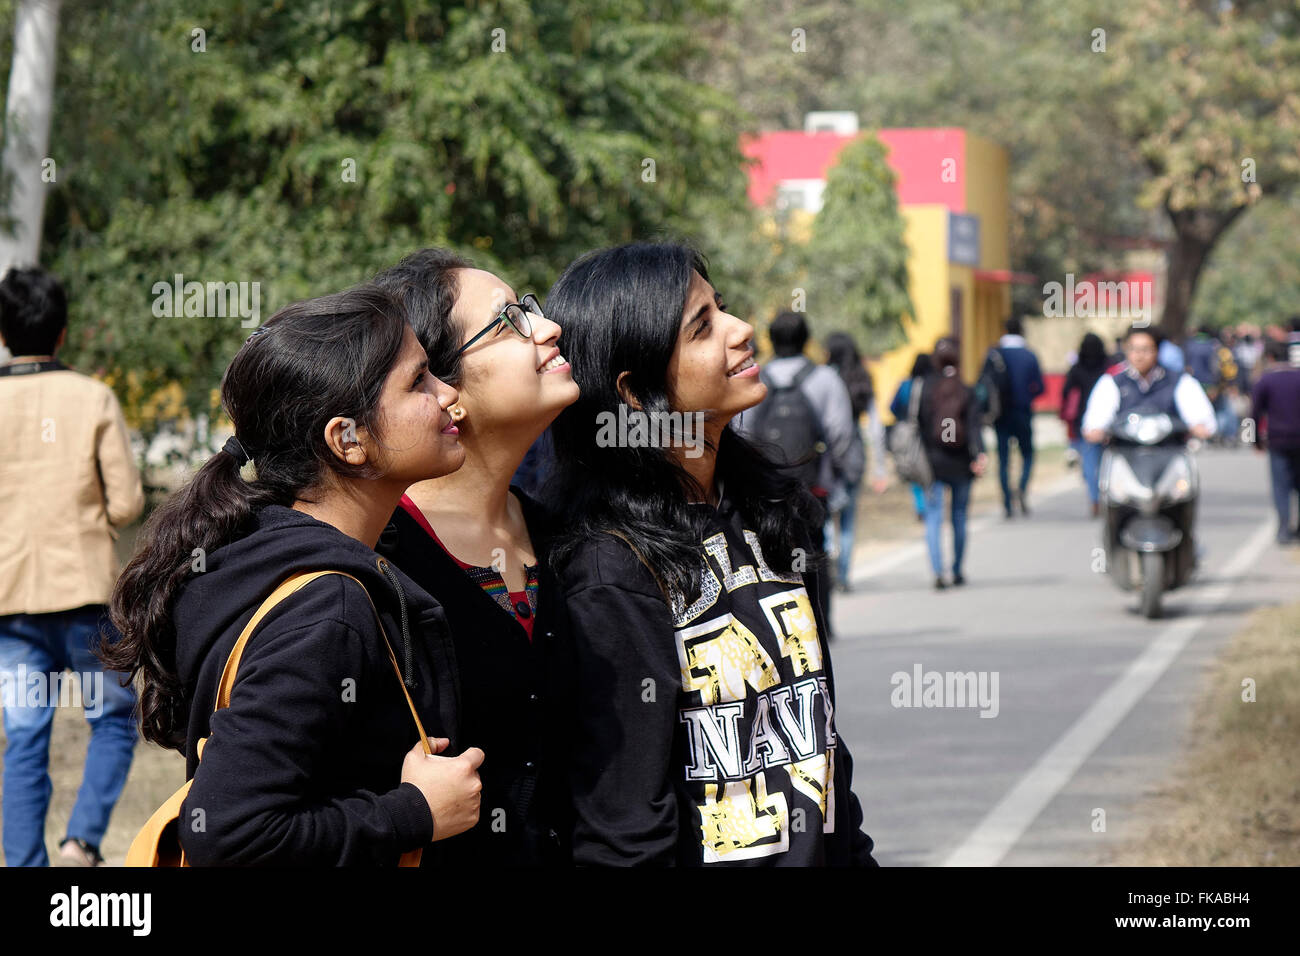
x=856 y=259
x=1209 y=95
x=1124 y=119
x=304 y=146
x=29 y=100
x=1254 y=275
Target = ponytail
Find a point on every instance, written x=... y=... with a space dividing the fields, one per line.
x=212 y=510
x=311 y=361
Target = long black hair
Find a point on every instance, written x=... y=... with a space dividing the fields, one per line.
x=311 y=361
x=1092 y=352
x=426 y=284
x=842 y=355
x=620 y=310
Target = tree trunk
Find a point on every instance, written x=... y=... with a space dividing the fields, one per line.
x=1197 y=231
x=27 y=129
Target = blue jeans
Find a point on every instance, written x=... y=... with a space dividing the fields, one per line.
x=1284 y=465
x=1090 y=462
x=1015 y=423
x=918 y=499
x=845 y=519
x=35 y=650
x=934 y=522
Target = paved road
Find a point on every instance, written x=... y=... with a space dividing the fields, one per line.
x=1093 y=700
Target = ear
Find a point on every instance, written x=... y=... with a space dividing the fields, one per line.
x=625 y=391
x=343 y=438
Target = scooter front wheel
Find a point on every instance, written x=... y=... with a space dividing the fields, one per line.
x=1153 y=583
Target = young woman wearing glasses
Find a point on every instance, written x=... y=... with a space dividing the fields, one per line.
x=479 y=545
x=702 y=731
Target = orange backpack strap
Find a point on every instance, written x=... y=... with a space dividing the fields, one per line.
x=157 y=843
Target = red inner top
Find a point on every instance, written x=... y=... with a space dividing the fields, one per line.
x=516 y=597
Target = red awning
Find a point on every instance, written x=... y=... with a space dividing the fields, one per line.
x=1006 y=276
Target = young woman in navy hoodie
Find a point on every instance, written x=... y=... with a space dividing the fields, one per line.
x=316 y=761
x=702 y=731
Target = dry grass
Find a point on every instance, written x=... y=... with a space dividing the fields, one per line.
x=1235 y=800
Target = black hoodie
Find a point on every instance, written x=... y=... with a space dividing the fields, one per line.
x=705 y=734
x=304 y=767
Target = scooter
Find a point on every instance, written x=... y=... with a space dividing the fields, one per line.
x=1149 y=488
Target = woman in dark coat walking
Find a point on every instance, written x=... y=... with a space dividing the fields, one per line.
x=950 y=425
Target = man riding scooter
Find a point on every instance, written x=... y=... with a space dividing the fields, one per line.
x=1148 y=479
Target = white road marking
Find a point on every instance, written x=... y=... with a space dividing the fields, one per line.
x=1007 y=822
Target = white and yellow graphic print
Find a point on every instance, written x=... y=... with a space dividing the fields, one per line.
x=746 y=813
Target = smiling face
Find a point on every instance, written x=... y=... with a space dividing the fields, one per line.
x=712 y=365
x=507 y=381
x=419 y=439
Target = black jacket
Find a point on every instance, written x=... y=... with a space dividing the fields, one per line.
x=304 y=767
x=1084 y=379
x=508 y=694
x=947 y=463
x=704 y=735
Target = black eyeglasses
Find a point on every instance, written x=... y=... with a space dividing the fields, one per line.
x=516 y=315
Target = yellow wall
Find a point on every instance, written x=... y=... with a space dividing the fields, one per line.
x=986 y=196
x=925 y=231
x=931 y=277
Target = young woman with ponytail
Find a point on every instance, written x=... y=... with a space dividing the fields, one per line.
x=316 y=761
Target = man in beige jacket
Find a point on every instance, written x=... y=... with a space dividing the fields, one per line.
x=68 y=482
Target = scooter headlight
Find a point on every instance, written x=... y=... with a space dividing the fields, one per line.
x=1122 y=486
x=1178 y=483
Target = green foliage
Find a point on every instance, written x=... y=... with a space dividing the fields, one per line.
x=1142 y=138
x=1255 y=274
x=231 y=163
x=1201 y=87
x=856 y=261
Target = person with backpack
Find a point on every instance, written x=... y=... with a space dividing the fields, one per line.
x=842 y=355
x=949 y=418
x=703 y=728
x=1079 y=382
x=1017 y=380
x=806 y=421
x=316 y=759
x=922 y=365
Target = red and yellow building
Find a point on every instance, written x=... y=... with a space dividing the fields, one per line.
x=953 y=196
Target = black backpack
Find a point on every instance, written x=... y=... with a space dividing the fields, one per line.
x=787 y=422
x=993 y=385
x=950 y=403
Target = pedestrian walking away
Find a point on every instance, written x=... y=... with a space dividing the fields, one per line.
x=950 y=425
x=921 y=367
x=68 y=487
x=806 y=421
x=1019 y=379
x=1276 y=411
x=1079 y=382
